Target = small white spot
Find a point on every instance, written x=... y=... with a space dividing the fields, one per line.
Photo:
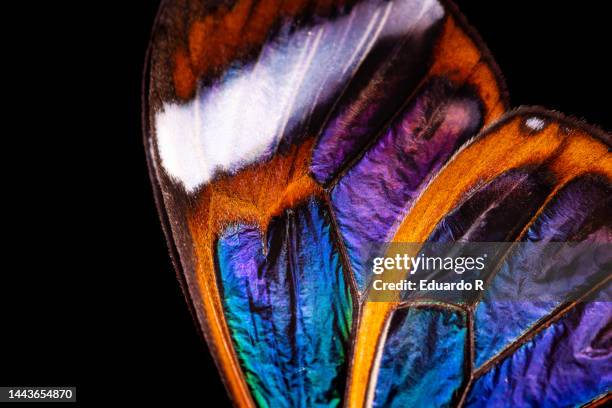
x=535 y=123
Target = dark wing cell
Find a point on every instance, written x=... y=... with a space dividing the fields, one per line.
x=370 y=200
x=569 y=363
x=288 y=308
x=545 y=274
x=423 y=363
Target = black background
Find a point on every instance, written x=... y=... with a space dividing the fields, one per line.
x=88 y=296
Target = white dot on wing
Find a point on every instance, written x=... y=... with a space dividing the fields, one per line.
x=535 y=123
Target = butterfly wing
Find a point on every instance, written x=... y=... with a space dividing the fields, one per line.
x=538 y=333
x=283 y=137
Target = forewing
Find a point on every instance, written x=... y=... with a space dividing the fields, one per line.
x=281 y=137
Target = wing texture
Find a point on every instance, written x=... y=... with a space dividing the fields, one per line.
x=285 y=136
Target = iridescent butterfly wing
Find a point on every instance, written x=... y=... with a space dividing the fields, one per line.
x=283 y=137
